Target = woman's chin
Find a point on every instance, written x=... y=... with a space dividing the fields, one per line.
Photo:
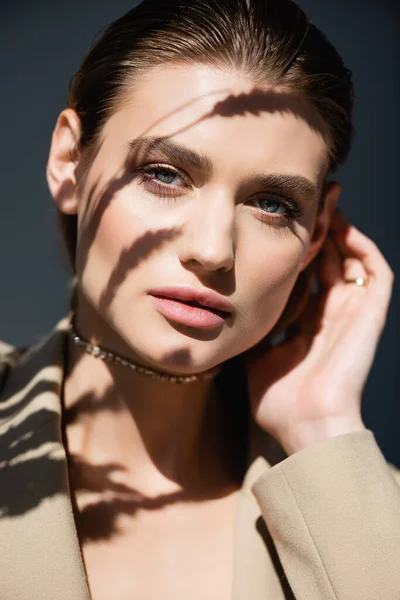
x=174 y=366
x=197 y=333
x=179 y=361
x=176 y=352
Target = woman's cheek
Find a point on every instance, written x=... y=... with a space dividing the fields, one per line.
x=269 y=287
x=109 y=249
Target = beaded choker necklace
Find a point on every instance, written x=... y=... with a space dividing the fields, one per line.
x=109 y=356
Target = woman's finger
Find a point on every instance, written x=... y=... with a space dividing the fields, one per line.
x=352 y=243
x=353 y=268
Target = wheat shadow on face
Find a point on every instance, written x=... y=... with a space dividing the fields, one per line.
x=255 y=102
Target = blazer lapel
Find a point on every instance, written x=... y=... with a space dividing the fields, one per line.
x=41 y=555
x=258 y=573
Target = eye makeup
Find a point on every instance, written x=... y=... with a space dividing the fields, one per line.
x=164 y=149
x=292 y=210
x=150 y=177
x=153 y=185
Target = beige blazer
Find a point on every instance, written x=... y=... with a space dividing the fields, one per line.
x=322 y=524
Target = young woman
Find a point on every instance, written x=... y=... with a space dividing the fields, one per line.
x=192 y=429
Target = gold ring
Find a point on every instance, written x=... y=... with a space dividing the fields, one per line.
x=361 y=281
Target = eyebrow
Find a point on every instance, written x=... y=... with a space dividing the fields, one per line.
x=172 y=151
x=297 y=184
x=176 y=153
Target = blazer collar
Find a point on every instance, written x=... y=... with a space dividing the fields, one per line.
x=36 y=517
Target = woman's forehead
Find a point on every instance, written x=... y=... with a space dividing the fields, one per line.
x=222 y=115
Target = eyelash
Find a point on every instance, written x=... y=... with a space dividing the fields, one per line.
x=293 y=211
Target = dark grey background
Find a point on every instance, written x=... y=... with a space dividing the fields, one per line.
x=41 y=45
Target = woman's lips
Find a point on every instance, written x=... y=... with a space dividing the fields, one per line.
x=187 y=314
x=206 y=297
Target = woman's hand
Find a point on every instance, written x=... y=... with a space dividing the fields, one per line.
x=310 y=387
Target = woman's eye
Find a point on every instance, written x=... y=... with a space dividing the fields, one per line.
x=270 y=205
x=285 y=209
x=165 y=176
x=162 y=181
x=162 y=175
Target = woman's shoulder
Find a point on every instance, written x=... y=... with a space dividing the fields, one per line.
x=40 y=360
x=9 y=356
x=5 y=348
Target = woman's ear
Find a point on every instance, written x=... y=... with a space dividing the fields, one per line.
x=63 y=160
x=323 y=221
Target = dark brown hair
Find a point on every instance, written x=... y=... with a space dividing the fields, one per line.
x=271 y=40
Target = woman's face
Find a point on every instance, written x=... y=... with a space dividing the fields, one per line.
x=203 y=182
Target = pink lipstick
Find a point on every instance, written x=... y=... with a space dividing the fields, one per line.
x=195 y=308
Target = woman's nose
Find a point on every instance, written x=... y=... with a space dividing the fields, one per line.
x=208 y=241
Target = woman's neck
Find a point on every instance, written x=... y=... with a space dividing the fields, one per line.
x=160 y=437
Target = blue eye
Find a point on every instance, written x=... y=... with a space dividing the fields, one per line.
x=165 y=176
x=162 y=181
x=271 y=205
x=161 y=177
x=277 y=208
